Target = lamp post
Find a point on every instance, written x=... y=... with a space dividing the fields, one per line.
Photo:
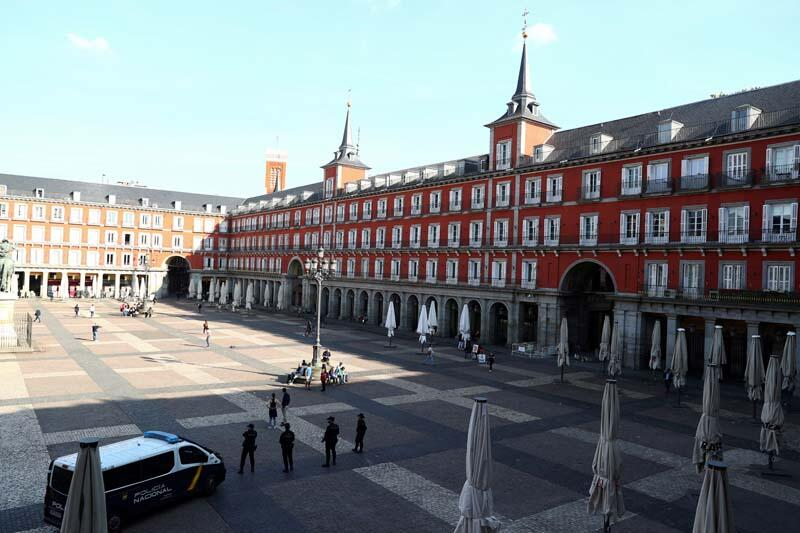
x=318 y=269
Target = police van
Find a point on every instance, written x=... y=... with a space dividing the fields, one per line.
x=140 y=475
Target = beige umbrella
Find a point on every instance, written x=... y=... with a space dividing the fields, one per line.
x=655 y=347
x=754 y=371
x=85 y=510
x=714 y=513
x=771 y=411
x=789 y=361
x=680 y=363
x=422 y=326
x=615 y=354
x=563 y=348
x=708 y=436
x=191 y=289
x=718 y=356
x=605 y=339
x=391 y=322
x=476 y=502
x=605 y=493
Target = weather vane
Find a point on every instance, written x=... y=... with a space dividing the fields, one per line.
x=525 y=23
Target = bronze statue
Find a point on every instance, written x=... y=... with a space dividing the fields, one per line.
x=6 y=266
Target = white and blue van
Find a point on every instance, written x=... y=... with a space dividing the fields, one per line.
x=140 y=475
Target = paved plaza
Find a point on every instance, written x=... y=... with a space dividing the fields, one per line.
x=157 y=374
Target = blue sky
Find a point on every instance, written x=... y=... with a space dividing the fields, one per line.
x=189 y=95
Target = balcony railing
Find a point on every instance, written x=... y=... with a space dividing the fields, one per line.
x=781 y=173
x=658 y=186
x=695 y=182
x=732 y=179
x=588 y=192
x=631 y=188
x=553 y=195
x=730 y=296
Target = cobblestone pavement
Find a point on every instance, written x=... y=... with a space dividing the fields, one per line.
x=157 y=374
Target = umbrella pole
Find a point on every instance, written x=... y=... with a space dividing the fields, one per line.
x=562 y=374
x=679 y=396
x=606 y=524
x=772 y=472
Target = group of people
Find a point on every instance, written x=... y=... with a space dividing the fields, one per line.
x=475 y=351
x=128 y=309
x=330 y=374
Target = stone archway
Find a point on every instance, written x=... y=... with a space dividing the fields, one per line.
x=294 y=272
x=363 y=304
x=378 y=313
x=432 y=300
x=498 y=324
x=350 y=305
x=395 y=300
x=474 y=310
x=583 y=298
x=326 y=294
x=412 y=312
x=450 y=318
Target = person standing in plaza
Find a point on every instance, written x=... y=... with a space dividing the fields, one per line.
x=309 y=374
x=285 y=401
x=37 y=316
x=95 y=331
x=361 y=429
x=286 y=441
x=308 y=328
x=77 y=309
x=91 y=311
x=248 y=448
x=490 y=360
x=208 y=339
x=429 y=358
x=330 y=439
x=273 y=411
x=323 y=377
x=200 y=307
x=205 y=327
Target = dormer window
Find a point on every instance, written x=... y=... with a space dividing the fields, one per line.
x=176 y=204
x=542 y=152
x=38 y=193
x=743 y=117
x=76 y=196
x=144 y=202
x=598 y=143
x=222 y=209
x=112 y=199
x=207 y=207
x=503 y=155
x=329 y=188
x=667 y=130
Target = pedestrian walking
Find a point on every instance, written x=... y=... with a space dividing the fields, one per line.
x=323 y=377
x=361 y=429
x=37 y=316
x=77 y=309
x=285 y=401
x=205 y=327
x=200 y=307
x=429 y=358
x=95 y=331
x=490 y=360
x=91 y=311
x=273 y=412
x=248 y=448
x=308 y=328
x=309 y=374
x=330 y=438
x=286 y=441
x=208 y=339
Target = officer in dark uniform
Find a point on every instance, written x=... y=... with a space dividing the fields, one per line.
x=330 y=439
x=248 y=448
x=286 y=441
x=361 y=428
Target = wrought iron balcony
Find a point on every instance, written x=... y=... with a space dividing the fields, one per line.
x=731 y=179
x=781 y=174
x=658 y=186
x=695 y=182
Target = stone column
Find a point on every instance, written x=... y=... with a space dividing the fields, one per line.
x=671 y=332
x=306 y=300
x=708 y=339
x=81 y=283
x=370 y=306
x=627 y=317
x=752 y=329
x=402 y=320
x=116 y=284
x=513 y=323
x=26 y=281
x=485 y=332
x=43 y=287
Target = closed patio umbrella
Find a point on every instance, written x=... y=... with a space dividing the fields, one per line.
x=248 y=298
x=212 y=291
x=134 y=287
x=655 y=347
x=85 y=510
x=464 y=328
x=433 y=323
x=191 y=288
x=237 y=293
x=605 y=339
x=680 y=363
x=199 y=288
x=708 y=436
x=223 y=293
x=789 y=361
x=63 y=291
x=754 y=371
x=142 y=289
x=476 y=502
x=772 y=411
x=714 y=513
x=718 y=356
x=265 y=302
x=562 y=361
x=605 y=493
x=391 y=323
x=615 y=354
x=279 y=303
x=422 y=325
x=97 y=290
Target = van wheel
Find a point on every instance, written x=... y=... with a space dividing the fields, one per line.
x=209 y=486
x=114 y=524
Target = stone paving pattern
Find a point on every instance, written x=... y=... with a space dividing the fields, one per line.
x=157 y=374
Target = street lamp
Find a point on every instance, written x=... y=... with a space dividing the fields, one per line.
x=318 y=269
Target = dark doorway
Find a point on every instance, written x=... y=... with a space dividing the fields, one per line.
x=585 y=290
x=178 y=269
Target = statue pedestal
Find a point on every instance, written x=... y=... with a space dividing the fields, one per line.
x=8 y=335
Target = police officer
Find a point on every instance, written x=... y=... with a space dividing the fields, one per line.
x=286 y=441
x=248 y=447
x=361 y=429
x=330 y=439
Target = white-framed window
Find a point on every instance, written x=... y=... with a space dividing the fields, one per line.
x=144 y=239
x=37 y=234
x=431 y=269
x=553 y=188
x=629 y=228
x=55 y=257
x=692 y=279
x=379 y=269
x=591 y=184
x=658 y=177
x=297 y=218
x=37 y=213
x=177 y=223
x=74 y=258
x=455 y=200
x=694 y=172
x=533 y=191
x=501 y=232
x=56 y=235
x=528 y=274
x=451 y=271
x=732 y=276
x=382 y=208
x=503 y=155
x=366 y=237
x=127 y=259
x=340 y=213
x=329 y=188
x=308 y=219
x=477 y=197
x=94 y=217
x=779 y=277
x=552 y=229
x=57 y=214
x=656 y=278
x=667 y=130
x=128 y=220
x=21 y=211
x=19 y=233
x=395 y=270
x=75 y=235
x=416 y=204
x=4 y=210
x=315 y=215
x=656 y=227
x=93 y=237
x=366 y=210
x=37 y=256
x=474 y=271
x=380 y=238
x=397 y=236
x=144 y=220
x=413 y=269
x=415 y=236
x=588 y=235
x=736 y=166
x=339 y=240
x=351 y=267
x=76 y=215
x=92 y=258
x=498 y=273
x=734 y=224
x=693 y=224
x=503 y=194
x=177 y=242
x=353 y=211
x=352 y=236
x=433 y=235
x=435 y=199
x=398 y=206
x=454 y=234
x=328 y=214
x=530 y=231
x=475 y=233
x=295 y=241
x=783 y=162
x=632 y=179
x=779 y=222
x=110 y=258
x=743 y=117
x=364 y=267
